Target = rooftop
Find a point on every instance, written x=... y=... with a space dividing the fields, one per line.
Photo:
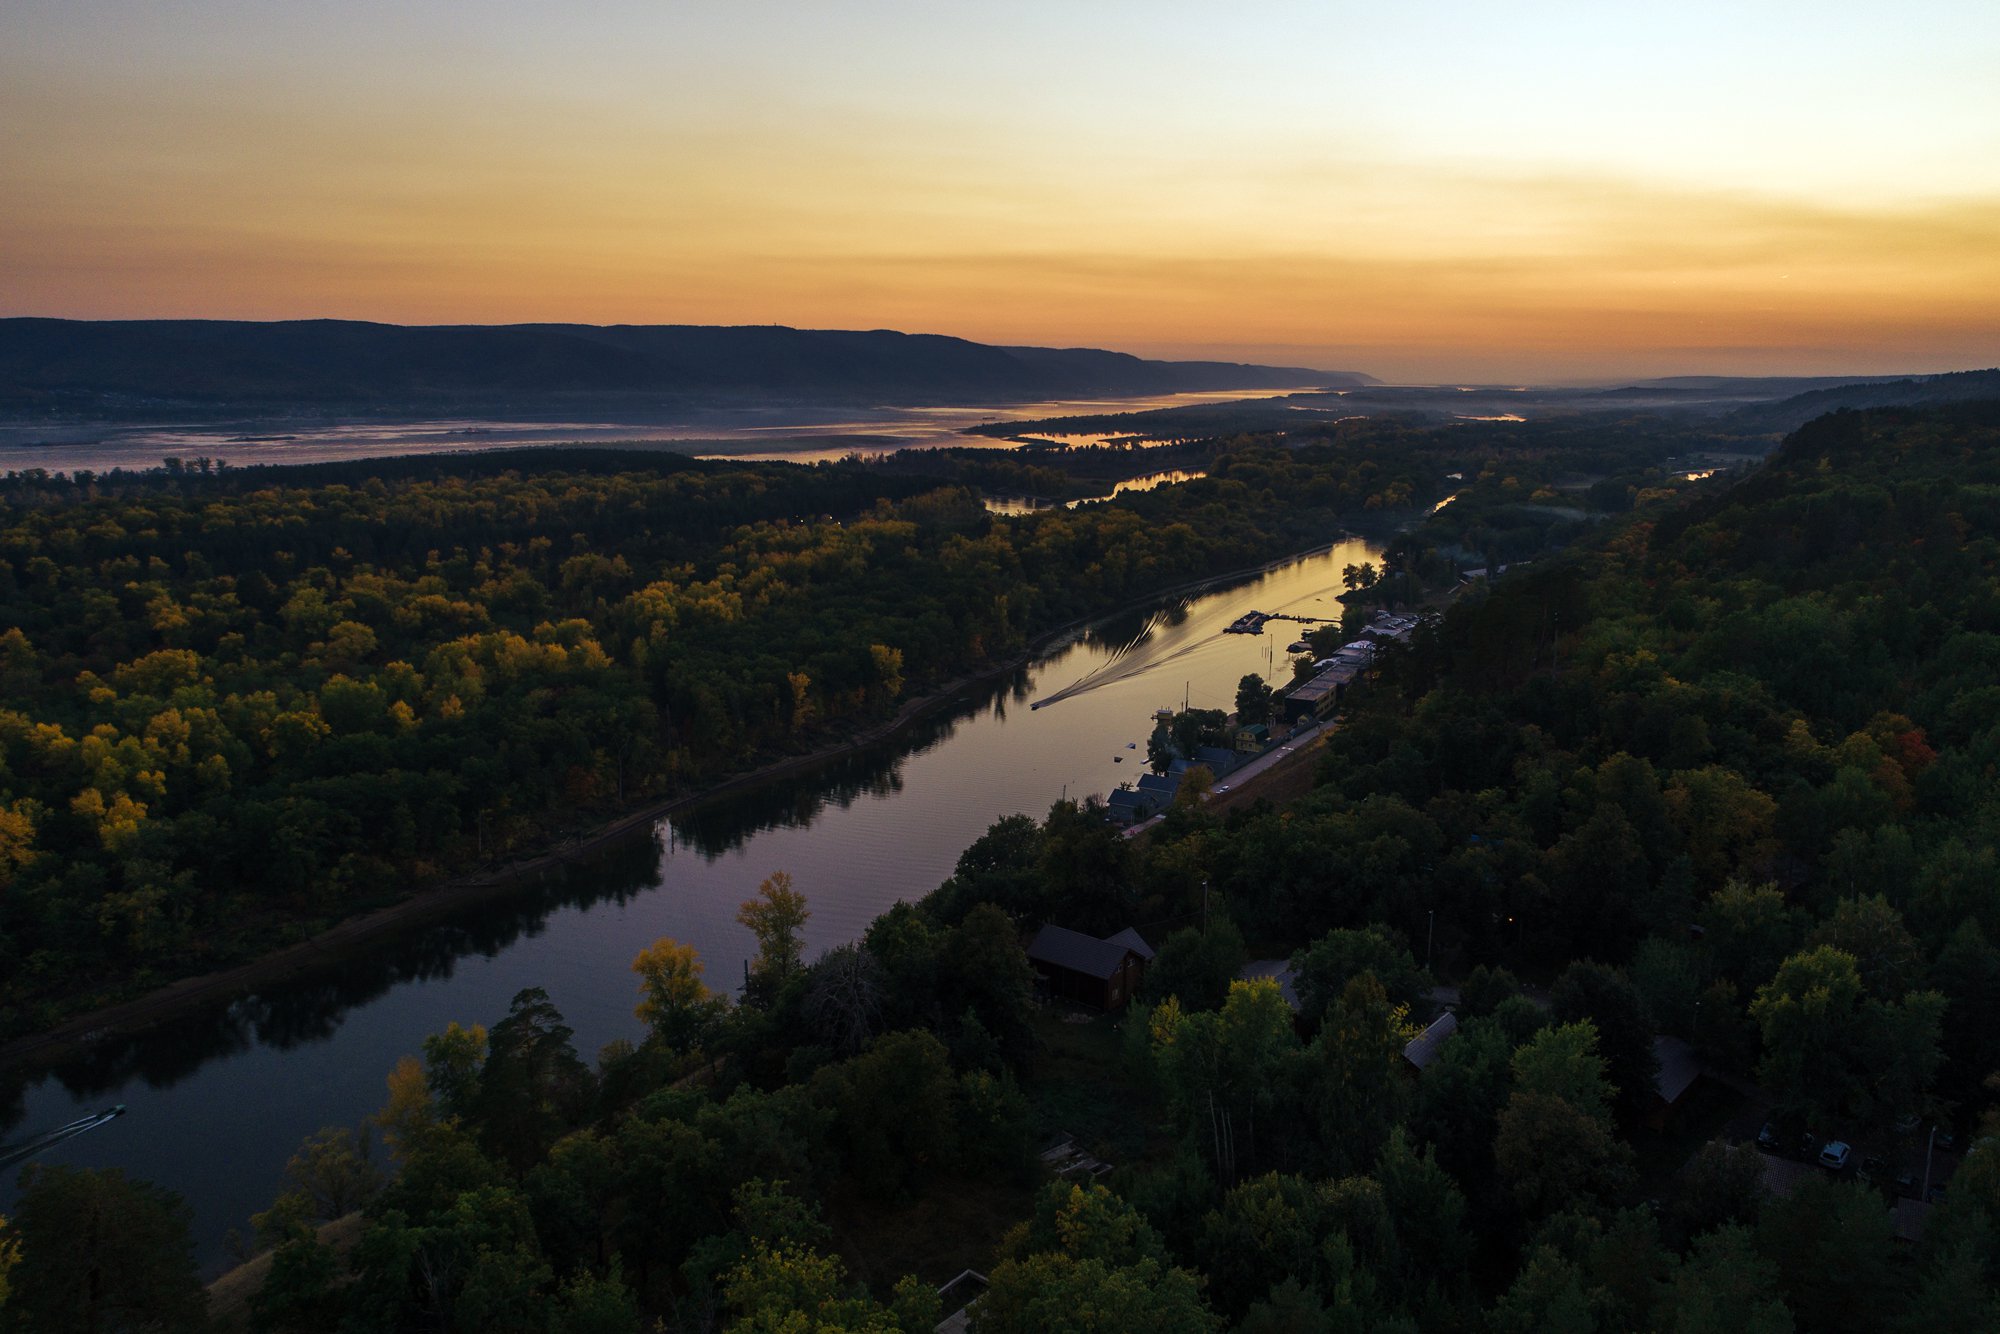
x=1064 y=948
x=1422 y=1049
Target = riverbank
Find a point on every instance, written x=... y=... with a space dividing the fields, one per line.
x=328 y=948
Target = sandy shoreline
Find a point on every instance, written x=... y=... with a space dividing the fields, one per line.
x=327 y=947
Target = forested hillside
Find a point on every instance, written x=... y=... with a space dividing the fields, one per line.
x=234 y=705
x=95 y=369
x=1728 y=774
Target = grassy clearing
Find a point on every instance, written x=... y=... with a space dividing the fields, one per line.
x=953 y=1225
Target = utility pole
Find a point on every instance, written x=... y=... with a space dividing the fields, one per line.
x=1430 y=935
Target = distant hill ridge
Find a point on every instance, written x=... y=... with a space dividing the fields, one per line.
x=1916 y=391
x=119 y=367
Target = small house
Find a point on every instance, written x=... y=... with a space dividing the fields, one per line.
x=1081 y=968
x=1130 y=937
x=1679 y=1069
x=1218 y=760
x=1251 y=740
x=1126 y=806
x=1422 y=1049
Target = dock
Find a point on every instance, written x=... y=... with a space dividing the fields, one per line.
x=1252 y=622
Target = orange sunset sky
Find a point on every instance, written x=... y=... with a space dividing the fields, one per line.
x=1420 y=190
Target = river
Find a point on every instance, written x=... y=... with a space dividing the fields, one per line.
x=219 y=1100
x=798 y=432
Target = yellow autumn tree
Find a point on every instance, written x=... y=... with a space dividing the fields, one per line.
x=673 y=1000
x=777 y=916
x=10 y=1254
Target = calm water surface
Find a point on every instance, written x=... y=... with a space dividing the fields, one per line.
x=219 y=1101
x=800 y=433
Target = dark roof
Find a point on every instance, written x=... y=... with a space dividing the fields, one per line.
x=1279 y=971
x=1132 y=940
x=1158 y=783
x=1077 y=952
x=1423 y=1048
x=1679 y=1068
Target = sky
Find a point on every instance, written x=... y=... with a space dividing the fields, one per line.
x=1426 y=191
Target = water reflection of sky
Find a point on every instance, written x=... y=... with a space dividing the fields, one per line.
x=1018 y=505
x=802 y=433
x=220 y=1100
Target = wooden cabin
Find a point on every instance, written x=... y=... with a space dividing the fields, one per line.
x=1099 y=973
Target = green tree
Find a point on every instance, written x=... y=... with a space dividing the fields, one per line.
x=1551 y=1155
x=1724 y=1286
x=592 y=1304
x=1253 y=700
x=532 y=1087
x=894 y=1111
x=1196 y=966
x=1873 y=934
x=1831 y=1244
x=1603 y=996
x=1428 y=1212
x=1265 y=1230
x=1086 y=1262
x=985 y=972
x=329 y=1176
x=1325 y=967
x=1953 y=1293
x=1460 y=1097
x=1086 y=869
x=1562 y=1062
x=100 y=1252
x=1748 y=931
x=1359 y=1087
x=301 y=1292
x=1968 y=1220
x=1721 y=1185
x=1220 y=1068
x=1484 y=989
x=1830 y=1049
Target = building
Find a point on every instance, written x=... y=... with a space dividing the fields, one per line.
x=1422 y=1049
x=1081 y=968
x=1679 y=1069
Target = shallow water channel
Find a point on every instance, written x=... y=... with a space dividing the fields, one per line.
x=218 y=1101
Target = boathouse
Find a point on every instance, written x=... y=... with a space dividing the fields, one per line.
x=1081 y=968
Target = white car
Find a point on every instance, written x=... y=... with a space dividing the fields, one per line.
x=1834 y=1156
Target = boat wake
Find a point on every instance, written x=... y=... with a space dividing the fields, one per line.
x=11 y=1154
x=1130 y=659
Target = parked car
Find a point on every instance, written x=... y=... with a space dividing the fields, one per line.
x=1870 y=1171
x=1787 y=1136
x=1907 y=1122
x=1945 y=1140
x=1834 y=1156
x=1906 y=1182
